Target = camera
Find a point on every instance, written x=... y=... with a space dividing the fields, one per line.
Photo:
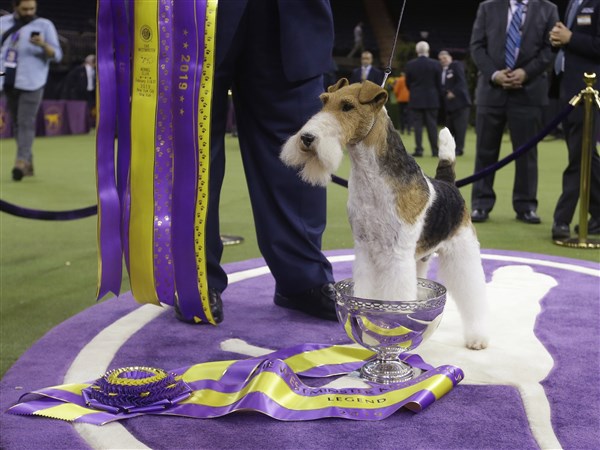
x=35 y=33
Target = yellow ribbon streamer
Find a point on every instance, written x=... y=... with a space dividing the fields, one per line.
x=143 y=124
x=204 y=115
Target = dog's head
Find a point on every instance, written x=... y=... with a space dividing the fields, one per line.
x=355 y=107
x=348 y=115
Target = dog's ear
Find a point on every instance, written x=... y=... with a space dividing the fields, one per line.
x=340 y=84
x=372 y=93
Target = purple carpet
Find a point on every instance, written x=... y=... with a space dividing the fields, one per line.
x=489 y=416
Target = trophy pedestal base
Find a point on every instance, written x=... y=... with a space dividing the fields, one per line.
x=578 y=243
x=388 y=371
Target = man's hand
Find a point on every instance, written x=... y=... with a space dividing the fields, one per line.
x=516 y=78
x=501 y=78
x=39 y=41
x=560 y=35
x=510 y=79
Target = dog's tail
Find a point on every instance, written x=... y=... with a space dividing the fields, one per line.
x=447 y=155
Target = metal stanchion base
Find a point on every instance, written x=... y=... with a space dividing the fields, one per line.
x=577 y=243
x=227 y=239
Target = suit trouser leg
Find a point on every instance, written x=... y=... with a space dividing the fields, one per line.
x=431 y=116
x=489 y=126
x=417 y=116
x=523 y=123
x=458 y=122
x=289 y=214
x=569 y=197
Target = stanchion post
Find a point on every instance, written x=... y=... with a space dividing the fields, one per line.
x=589 y=96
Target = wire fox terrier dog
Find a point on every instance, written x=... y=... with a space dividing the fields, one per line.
x=398 y=215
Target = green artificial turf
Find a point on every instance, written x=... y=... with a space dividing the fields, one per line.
x=48 y=269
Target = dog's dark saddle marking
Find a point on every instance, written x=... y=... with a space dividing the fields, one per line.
x=447 y=211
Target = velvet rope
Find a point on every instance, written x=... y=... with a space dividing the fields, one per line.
x=29 y=213
x=503 y=162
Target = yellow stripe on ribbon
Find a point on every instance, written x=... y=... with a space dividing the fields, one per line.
x=65 y=411
x=273 y=386
x=338 y=354
x=143 y=124
x=206 y=371
x=204 y=115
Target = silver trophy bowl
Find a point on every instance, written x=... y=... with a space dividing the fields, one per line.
x=390 y=328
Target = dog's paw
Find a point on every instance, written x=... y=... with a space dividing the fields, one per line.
x=477 y=342
x=446 y=145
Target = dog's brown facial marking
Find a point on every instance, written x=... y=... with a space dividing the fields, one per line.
x=355 y=107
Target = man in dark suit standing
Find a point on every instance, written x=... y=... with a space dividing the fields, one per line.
x=274 y=68
x=366 y=71
x=424 y=81
x=80 y=83
x=511 y=49
x=579 y=41
x=457 y=101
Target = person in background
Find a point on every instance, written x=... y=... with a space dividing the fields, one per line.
x=275 y=81
x=457 y=101
x=512 y=52
x=28 y=44
x=80 y=83
x=359 y=45
x=578 y=39
x=424 y=80
x=402 y=97
x=366 y=71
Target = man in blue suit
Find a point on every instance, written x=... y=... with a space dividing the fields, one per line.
x=424 y=81
x=578 y=39
x=272 y=55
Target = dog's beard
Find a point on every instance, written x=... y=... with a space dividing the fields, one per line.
x=318 y=167
x=316 y=164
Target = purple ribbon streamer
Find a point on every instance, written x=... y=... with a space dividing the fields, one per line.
x=123 y=24
x=187 y=61
x=108 y=200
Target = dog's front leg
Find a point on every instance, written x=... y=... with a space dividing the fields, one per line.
x=363 y=273
x=398 y=275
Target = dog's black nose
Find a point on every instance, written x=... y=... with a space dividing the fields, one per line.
x=307 y=139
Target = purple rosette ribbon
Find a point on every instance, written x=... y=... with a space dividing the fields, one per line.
x=135 y=390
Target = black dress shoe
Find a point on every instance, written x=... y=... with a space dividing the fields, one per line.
x=417 y=154
x=529 y=217
x=560 y=230
x=318 y=302
x=593 y=226
x=216 y=308
x=479 y=215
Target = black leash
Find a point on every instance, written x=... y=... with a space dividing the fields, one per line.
x=388 y=69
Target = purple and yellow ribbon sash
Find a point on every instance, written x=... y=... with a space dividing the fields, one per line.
x=271 y=384
x=155 y=75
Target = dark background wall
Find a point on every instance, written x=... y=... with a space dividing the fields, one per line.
x=444 y=24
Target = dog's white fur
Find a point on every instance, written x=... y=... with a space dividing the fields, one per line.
x=399 y=216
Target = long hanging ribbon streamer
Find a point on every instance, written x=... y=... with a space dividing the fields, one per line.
x=155 y=213
x=269 y=384
x=109 y=211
